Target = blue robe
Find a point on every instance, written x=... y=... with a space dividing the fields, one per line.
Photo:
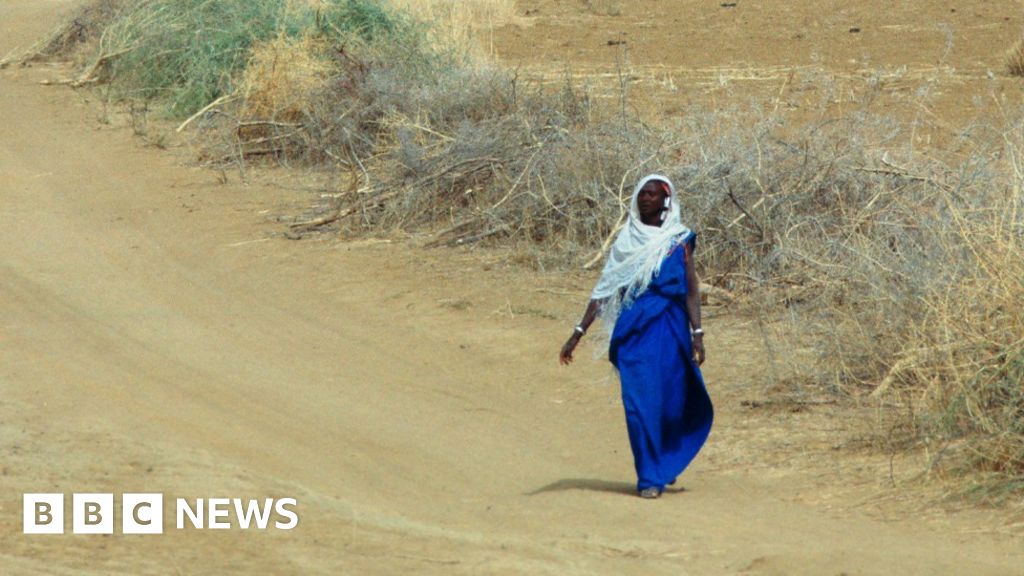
x=668 y=410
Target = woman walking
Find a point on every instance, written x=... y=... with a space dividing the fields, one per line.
x=648 y=297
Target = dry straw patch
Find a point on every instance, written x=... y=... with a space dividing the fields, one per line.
x=1015 y=59
x=462 y=25
x=281 y=78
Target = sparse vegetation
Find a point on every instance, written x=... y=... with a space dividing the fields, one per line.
x=907 y=269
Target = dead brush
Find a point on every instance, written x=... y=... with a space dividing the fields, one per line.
x=983 y=342
x=922 y=313
x=965 y=368
x=478 y=162
x=276 y=90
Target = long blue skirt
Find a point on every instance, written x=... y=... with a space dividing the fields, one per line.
x=668 y=410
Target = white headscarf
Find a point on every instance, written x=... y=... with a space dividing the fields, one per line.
x=636 y=256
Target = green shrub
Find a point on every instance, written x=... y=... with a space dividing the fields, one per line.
x=187 y=53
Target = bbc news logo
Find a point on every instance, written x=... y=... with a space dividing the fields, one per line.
x=144 y=513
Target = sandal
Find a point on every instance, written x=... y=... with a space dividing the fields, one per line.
x=650 y=493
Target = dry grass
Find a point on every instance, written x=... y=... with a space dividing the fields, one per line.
x=958 y=370
x=461 y=25
x=1015 y=59
x=282 y=77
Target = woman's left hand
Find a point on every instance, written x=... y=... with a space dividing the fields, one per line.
x=565 y=356
x=698 y=349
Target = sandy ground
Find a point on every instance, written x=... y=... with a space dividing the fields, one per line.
x=158 y=335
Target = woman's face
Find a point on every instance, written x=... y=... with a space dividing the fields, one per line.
x=651 y=202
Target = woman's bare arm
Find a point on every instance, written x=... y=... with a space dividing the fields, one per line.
x=593 y=307
x=693 y=307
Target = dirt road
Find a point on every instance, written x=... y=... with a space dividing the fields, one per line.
x=156 y=336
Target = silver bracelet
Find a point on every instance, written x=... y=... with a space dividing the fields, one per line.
x=579 y=330
x=698 y=331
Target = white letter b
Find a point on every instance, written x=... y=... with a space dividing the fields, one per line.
x=43 y=514
x=92 y=513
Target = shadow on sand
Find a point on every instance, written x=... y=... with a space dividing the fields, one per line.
x=596 y=486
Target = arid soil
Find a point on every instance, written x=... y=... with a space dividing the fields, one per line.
x=159 y=334
x=939 y=65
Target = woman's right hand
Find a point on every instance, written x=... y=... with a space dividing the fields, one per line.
x=565 y=356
